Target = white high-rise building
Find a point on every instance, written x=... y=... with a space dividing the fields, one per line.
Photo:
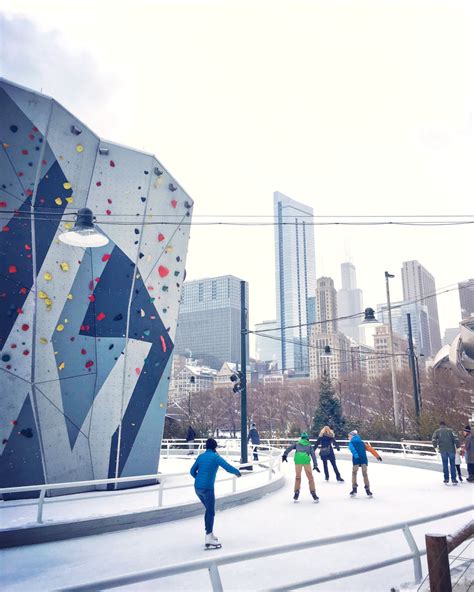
x=326 y=303
x=267 y=341
x=349 y=302
x=295 y=279
x=419 y=285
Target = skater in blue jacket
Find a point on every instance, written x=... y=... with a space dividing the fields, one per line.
x=359 y=459
x=204 y=472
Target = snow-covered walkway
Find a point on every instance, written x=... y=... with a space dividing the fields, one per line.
x=399 y=493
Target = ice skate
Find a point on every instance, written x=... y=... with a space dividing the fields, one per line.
x=315 y=497
x=368 y=492
x=446 y=482
x=296 y=496
x=340 y=479
x=212 y=542
x=454 y=482
x=353 y=493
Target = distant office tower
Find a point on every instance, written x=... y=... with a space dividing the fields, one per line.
x=326 y=301
x=267 y=343
x=466 y=298
x=209 y=320
x=382 y=350
x=337 y=363
x=419 y=322
x=349 y=302
x=295 y=279
x=419 y=285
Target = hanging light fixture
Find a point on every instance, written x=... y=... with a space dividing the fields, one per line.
x=327 y=353
x=84 y=233
x=369 y=316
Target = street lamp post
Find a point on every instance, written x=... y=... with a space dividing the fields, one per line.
x=396 y=410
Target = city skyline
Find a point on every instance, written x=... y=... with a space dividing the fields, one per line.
x=391 y=134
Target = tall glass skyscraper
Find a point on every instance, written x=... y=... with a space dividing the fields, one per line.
x=209 y=320
x=295 y=279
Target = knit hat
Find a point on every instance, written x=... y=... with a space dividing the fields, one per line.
x=305 y=435
x=211 y=444
x=353 y=433
x=467 y=429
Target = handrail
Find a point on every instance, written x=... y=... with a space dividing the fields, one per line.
x=438 y=546
x=270 y=456
x=213 y=563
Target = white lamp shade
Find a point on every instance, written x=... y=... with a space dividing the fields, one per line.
x=83 y=238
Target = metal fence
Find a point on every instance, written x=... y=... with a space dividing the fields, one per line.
x=212 y=564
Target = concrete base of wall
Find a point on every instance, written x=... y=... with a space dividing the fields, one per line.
x=45 y=533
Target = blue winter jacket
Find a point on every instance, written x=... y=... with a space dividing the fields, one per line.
x=357 y=447
x=205 y=468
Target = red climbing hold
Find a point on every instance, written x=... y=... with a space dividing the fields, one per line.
x=91 y=285
x=163 y=271
x=106 y=257
x=3 y=204
x=112 y=163
x=26 y=352
x=83 y=352
x=91 y=297
x=12 y=269
x=23 y=290
x=108 y=212
x=89 y=364
x=6 y=229
x=174 y=203
x=29 y=193
x=14 y=422
x=25 y=327
x=163 y=343
x=137 y=371
x=100 y=316
x=161 y=237
x=24 y=152
x=98 y=184
x=27 y=247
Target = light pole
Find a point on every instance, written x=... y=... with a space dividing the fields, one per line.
x=396 y=410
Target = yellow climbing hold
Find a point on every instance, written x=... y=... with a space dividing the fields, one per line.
x=79 y=148
x=64 y=266
x=70 y=199
x=61 y=366
x=69 y=296
x=68 y=225
x=43 y=340
x=60 y=328
x=67 y=185
x=48 y=302
x=168 y=249
x=42 y=295
x=161 y=405
x=58 y=201
x=47 y=276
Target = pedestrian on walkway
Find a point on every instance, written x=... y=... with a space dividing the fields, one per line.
x=445 y=442
x=190 y=437
x=254 y=437
x=469 y=453
x=326 y=441
x=204 y=472
x=304 y=453
x=359 y=460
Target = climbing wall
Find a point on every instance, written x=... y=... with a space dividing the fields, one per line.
x=86 y=335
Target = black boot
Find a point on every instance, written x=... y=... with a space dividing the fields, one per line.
x=297 y=495
x=368 y=492
x=315 y=497
x=339 y=478
x=354 y=491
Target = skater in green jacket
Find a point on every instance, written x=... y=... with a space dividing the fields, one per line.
x=304 y=453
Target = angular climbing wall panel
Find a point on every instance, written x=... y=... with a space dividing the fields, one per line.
x=86 y=335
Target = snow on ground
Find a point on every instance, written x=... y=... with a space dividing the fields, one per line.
x=19 y=513
x=400 y=493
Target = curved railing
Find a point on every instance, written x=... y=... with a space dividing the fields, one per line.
x=212 y=564
x=270 y=463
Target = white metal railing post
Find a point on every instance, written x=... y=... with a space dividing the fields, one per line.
x=414 y=549
x=270 y=468
x=403 y=449
x=39 y=515
x=234 y=483
x=160 y=492
x=215 y=578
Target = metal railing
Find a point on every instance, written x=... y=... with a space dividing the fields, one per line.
x=271 y=456
x=212 y=564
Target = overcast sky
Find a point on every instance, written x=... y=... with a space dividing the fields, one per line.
x=352 y=107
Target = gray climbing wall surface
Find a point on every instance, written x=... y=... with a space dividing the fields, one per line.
x=86 y=335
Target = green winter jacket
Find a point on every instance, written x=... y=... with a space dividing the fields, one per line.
x=446 y=440
x=304 y=452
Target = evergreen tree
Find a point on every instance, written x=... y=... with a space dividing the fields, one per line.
x=329 y=410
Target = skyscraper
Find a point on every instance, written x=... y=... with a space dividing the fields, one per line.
x=349 y=302
x=419 y=285
x=267 y=343
x=295 y=279
x=419 y=320
x=326 y=301
x=466 y=298
x=209 y=320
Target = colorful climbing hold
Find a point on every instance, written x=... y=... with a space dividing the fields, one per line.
x=106 y=257
x=161 y=237
x=67 y=185
x=163 y=343
x=83 y=351
x=100 y=316
x=61 y=366
x=79 y=148
x=12 y=269
x=58 y=201
x=69 y=296
x=43 y=340
x=64 y=266
x=174 y=203
x=70 y=200
x=25 y=327
x=137 y=371
x=47 y=276
x=163 y=271
x=89 y=364
x=112 y=163
x=60 y=328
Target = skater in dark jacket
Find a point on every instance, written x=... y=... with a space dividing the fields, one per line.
x=204 y=472
x=445 y=441
x=359 y=459
x=304 y=453
x=326 y=442
x=254 y=437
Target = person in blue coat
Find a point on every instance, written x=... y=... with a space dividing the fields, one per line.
x=359 y=450
x=204 y=471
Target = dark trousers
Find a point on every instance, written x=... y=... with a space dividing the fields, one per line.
x=255 y=453
x=208 y=499
x=445 y=457
x=470 y=471
x=458 y=469
x=332 y=459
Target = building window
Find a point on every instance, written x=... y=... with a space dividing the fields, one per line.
x=201 y=292
x=214 y=290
